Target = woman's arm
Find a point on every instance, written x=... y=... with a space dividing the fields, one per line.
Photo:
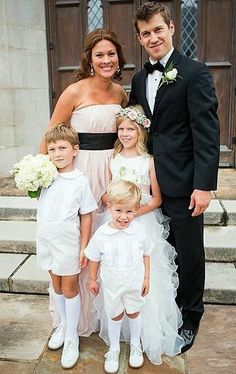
x=63 y=111
x=85 y=233
x=104 y=197
x=156 y=199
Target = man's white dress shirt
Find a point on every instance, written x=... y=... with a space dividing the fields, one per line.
x=153 y=80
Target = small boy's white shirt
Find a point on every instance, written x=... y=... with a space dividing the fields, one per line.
x=119 y=249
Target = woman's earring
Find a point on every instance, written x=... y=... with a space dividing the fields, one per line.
x=91 y=70
x=118 y=70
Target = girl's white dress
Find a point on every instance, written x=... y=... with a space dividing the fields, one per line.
x=161 y=316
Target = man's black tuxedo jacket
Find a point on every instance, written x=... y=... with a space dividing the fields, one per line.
x=184 y=134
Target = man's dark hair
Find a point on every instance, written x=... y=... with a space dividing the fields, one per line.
x=149 y=9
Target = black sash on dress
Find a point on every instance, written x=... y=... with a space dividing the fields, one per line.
x=96 y=141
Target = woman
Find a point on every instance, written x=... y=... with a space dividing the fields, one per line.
x=90 y=105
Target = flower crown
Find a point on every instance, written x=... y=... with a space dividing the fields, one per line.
x=134 y=115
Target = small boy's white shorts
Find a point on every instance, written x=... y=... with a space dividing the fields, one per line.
x=122 y=290
x=57 y=247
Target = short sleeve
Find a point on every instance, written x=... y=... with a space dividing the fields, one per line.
x=87 y=203
x=92 y=251
x=147 y=244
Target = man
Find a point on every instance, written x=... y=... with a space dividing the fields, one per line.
x=180 y=100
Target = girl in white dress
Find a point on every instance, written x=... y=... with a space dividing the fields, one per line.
x=62 y=237
x=161 y=317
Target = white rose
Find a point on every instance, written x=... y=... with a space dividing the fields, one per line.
x=172 y=74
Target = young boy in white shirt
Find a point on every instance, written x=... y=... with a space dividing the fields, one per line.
x=64 y=222
x=123 y=249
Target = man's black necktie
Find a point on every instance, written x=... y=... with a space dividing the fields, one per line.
x=152 y=67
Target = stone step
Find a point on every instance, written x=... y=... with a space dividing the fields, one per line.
x=215 y=214
x=230 y=208
x=220 y=284
x=219 y=212
x=18 y=208
x=220 y=243
x=19 y=274
x=19 y=237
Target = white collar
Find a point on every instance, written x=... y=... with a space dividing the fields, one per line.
x=107 y=229
x=164 y=59
x=71 y=174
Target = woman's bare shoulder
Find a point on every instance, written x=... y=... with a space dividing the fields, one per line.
x=120 y=92
x=74 y=88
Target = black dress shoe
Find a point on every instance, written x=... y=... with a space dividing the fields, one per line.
x=188 y=337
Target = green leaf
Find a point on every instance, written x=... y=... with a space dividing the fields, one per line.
x=34 y=194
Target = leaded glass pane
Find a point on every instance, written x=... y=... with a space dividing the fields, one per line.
x=95 y=14
x=189 y=28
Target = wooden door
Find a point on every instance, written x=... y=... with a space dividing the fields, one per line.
x=217 y=41
x=205 y=30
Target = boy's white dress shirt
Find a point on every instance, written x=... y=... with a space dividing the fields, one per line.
x=58 y=225
x=122 y=268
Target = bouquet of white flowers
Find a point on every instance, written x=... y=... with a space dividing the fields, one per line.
x=34 y=172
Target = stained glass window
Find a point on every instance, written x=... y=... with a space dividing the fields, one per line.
x=95 y=14
x=189 y=28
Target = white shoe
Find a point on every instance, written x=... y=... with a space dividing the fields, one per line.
x=58 y=336
x=70 y=353
x=112 y=361
x=136 y=356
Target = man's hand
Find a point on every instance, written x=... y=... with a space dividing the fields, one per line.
x=145 y=288
x=200 y=200
x=93 y=287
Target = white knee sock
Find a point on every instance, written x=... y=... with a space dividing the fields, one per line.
x=60 y=306
x=135 y=330
x=114 y=328
x=72 y=317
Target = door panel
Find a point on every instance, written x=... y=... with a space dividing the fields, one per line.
x=217 y=51
x=118 y=17
x=66 y=25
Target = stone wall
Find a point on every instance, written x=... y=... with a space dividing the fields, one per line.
x=24 y=93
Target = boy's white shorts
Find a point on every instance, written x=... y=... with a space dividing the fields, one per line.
x=122 y=290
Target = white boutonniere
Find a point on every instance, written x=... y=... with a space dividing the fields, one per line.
x=170 y=75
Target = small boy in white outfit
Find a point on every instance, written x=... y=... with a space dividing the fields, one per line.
x=64 y=223
x=123 y=249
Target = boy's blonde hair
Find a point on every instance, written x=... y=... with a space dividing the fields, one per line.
x=124 y=192
x=62 y=132
x=143 y=135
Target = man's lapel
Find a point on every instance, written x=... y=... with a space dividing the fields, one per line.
x=142 y=92
x=175 y=57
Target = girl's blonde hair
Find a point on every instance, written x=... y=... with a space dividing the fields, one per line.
x=124 y=192
x=62 y=132
x=143 y=135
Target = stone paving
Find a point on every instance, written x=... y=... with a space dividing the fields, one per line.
x=26 y=326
